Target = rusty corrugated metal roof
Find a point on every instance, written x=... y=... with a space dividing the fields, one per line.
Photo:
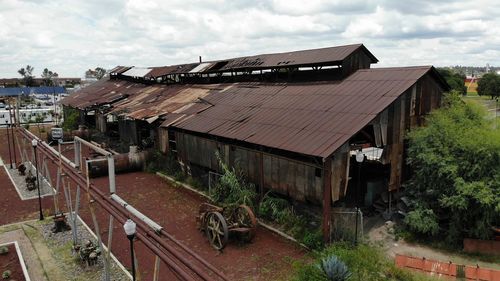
x=158 y=100
x=99 y=93
x=311 y=118
x=297 y=58
x=171 y=69
x=119 y=69
x=322 y=56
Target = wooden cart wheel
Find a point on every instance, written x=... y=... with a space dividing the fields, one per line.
x=246 y=218
x=217 y=230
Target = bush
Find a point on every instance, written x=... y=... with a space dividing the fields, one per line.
x=455 y=186
x=365 y=262
x=168 y=164
x=6 y=274
x=4 y=250
x=282 y=212
x=422 y=221
x=71 y=119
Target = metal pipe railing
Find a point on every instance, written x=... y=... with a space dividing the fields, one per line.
x=115 y=208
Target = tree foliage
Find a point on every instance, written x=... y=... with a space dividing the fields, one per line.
x=27 y=74
x=454 y=79
x=99 y=72
x=47 y=76
x=455 y=186
x=489 y=85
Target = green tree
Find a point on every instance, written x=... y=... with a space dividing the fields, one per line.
x=489 y=85
x=454 y=79
x=455 y=187
x=48 y=76
x=27 y=74
x=99 y=72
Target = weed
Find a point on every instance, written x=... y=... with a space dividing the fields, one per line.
x=4 y=250
x=6 y=274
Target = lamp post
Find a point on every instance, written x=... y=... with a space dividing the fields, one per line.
x=360 y=157
x=34 y=143
x=129 y=228
x=8 y=141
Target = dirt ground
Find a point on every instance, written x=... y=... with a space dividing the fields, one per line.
x=10 y=261
x=268 y=257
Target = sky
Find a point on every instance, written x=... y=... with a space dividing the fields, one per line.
x=69 y=37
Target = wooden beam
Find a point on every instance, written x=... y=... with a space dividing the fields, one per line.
x=327 y=201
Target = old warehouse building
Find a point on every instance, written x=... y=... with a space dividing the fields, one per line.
x=289 y=121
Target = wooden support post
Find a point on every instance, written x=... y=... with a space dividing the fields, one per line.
x=327 y=198
x=261 y=168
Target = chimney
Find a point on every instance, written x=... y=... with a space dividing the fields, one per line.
x=200 y=59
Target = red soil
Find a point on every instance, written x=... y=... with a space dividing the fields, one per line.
x=268 y=257
x=10 y=261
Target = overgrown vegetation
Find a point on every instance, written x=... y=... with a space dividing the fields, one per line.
x=455 y=187
x=232 y=188
x=455 y=79
x=279 y=210
x=364 y=262
x=4 y=250
x=168 y=164
x=6 y=275
x=71 y=119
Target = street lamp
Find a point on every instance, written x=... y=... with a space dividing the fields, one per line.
x=8 y=140
x=360 y=157
x=129 y=228
x=34 y=143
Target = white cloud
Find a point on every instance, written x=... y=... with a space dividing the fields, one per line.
x=78 y=35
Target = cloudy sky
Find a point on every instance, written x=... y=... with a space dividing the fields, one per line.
x=71 y=36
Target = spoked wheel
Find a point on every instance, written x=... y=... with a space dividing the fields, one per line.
x=217 y=230
x=246 y=218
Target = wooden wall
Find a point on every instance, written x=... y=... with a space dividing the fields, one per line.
x=299 y=180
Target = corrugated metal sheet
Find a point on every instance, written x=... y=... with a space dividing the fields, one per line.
x=172 y=69
x=312 y=118
x=101 y=92
x=311 y=57
x=119 y=69
x=306 y=57
x=158 y=100
x=137 y=72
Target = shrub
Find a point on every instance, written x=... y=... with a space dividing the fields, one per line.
x=455 y=185
x=4 y=250
x=422 y=221
x=365 y=262
x=6 y=274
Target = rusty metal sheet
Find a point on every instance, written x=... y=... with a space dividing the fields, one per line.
x=169 y=70
x=308 y=118
x=320 y=56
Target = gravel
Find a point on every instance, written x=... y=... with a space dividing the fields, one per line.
x=20 y=183
x=59 y=242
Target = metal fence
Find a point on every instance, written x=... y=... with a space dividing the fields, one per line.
x=344 y=225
